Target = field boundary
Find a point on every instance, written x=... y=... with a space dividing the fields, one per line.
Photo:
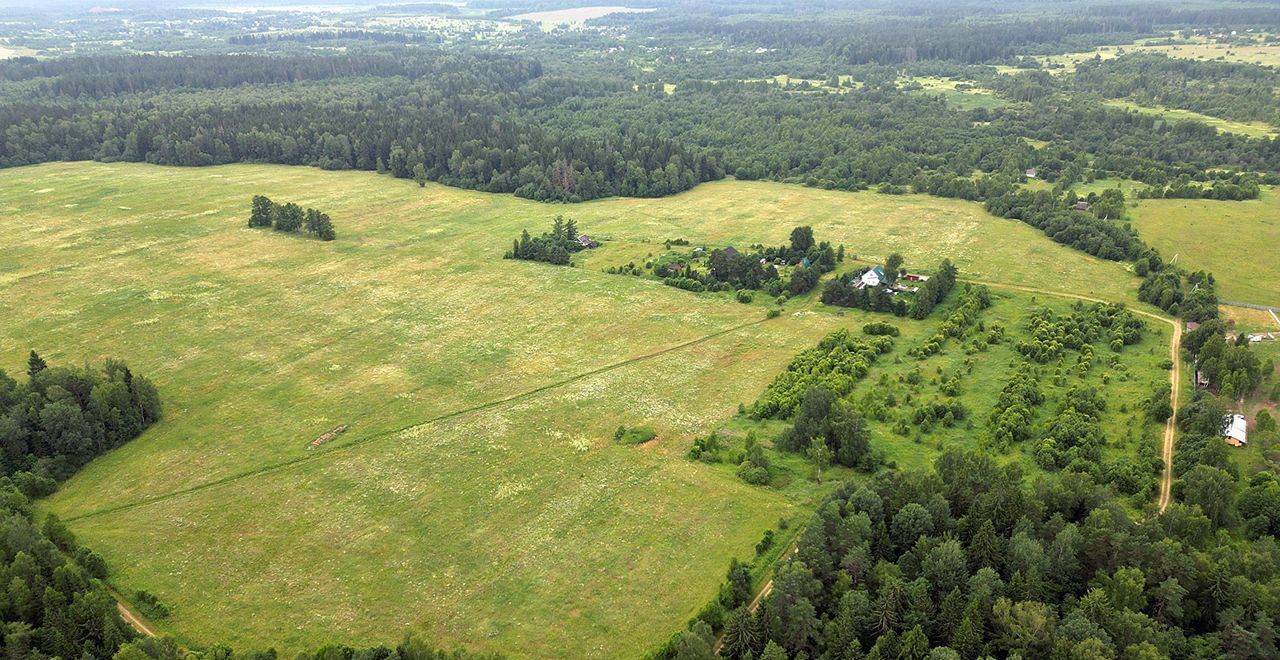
x=282 y=465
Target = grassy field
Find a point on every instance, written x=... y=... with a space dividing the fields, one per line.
x=1249 y=129
x=1235 y=240
x=1198 y=48
x=969 y=98
x=477 y=495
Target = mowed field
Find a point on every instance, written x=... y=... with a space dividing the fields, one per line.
x=477 y=496
x=1239 y=242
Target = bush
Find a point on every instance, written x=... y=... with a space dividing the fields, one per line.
x=744 y=296
x=882 y=329
x=150 y=605
x=634 y=436
x=773 y=313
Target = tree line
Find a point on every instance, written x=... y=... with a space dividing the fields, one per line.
x=290 y=218
x=59 y=418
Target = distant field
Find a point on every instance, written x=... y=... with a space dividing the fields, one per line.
x=1250 y=129
x=477 y=495
x=576 y=15
x=1200 y=49
x=1237 y=241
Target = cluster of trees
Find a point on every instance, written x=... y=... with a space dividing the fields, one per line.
x=832 y=422
x=1231 y=368
x=1244 y=187
x=1052 y=334
x=836 y=364
x=972 y=560
x=756 y=269
x=1086 y=232
x=290 y=218
x=958 y=323
x=1011 y=418
x=59 y=418
x=1074 y=435
x=553 y=247
x=1191 y=296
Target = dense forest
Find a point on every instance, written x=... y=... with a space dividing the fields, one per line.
x=59 y=418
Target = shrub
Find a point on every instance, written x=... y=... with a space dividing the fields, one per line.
x=744 y=296
x=883 y=329
x=635 y=435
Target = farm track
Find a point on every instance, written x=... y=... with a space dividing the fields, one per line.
x=323 y=454
x=129 y=617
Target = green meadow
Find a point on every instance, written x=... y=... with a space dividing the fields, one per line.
x=477 y=495
x=1236 y=241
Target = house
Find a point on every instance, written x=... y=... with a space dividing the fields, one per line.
x=1202 y=381
x=912 y=277
x=586 y=242
x=1236 y=431
x=1081 y=206
x=1031 y=173
x=1192 y=326
x=730 y=252
x=874 y=277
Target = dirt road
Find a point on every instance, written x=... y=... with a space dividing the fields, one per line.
x=133 y=620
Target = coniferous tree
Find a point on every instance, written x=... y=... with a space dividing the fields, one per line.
x=35 y=364
x=262 y=212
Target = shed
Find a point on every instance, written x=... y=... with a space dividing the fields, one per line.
x=586 y=242
x=1031 y=173
x=730 y=251
x=1081 y=206
x=1236 y=434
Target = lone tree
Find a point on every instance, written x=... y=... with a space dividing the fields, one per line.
x=802 y=239
x=420 y=175
x=263 y=209
x=893 y=265
x=35 y=364
x=820 y=454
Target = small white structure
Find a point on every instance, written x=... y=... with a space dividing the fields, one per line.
x=1236 y=434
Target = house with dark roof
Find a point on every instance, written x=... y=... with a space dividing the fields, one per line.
x=730 y=252
x=586 y=242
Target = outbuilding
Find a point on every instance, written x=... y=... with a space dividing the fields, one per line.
x=1236 y=433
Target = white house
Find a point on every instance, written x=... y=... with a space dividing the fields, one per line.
x=874 y=277
x=1236 y=433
